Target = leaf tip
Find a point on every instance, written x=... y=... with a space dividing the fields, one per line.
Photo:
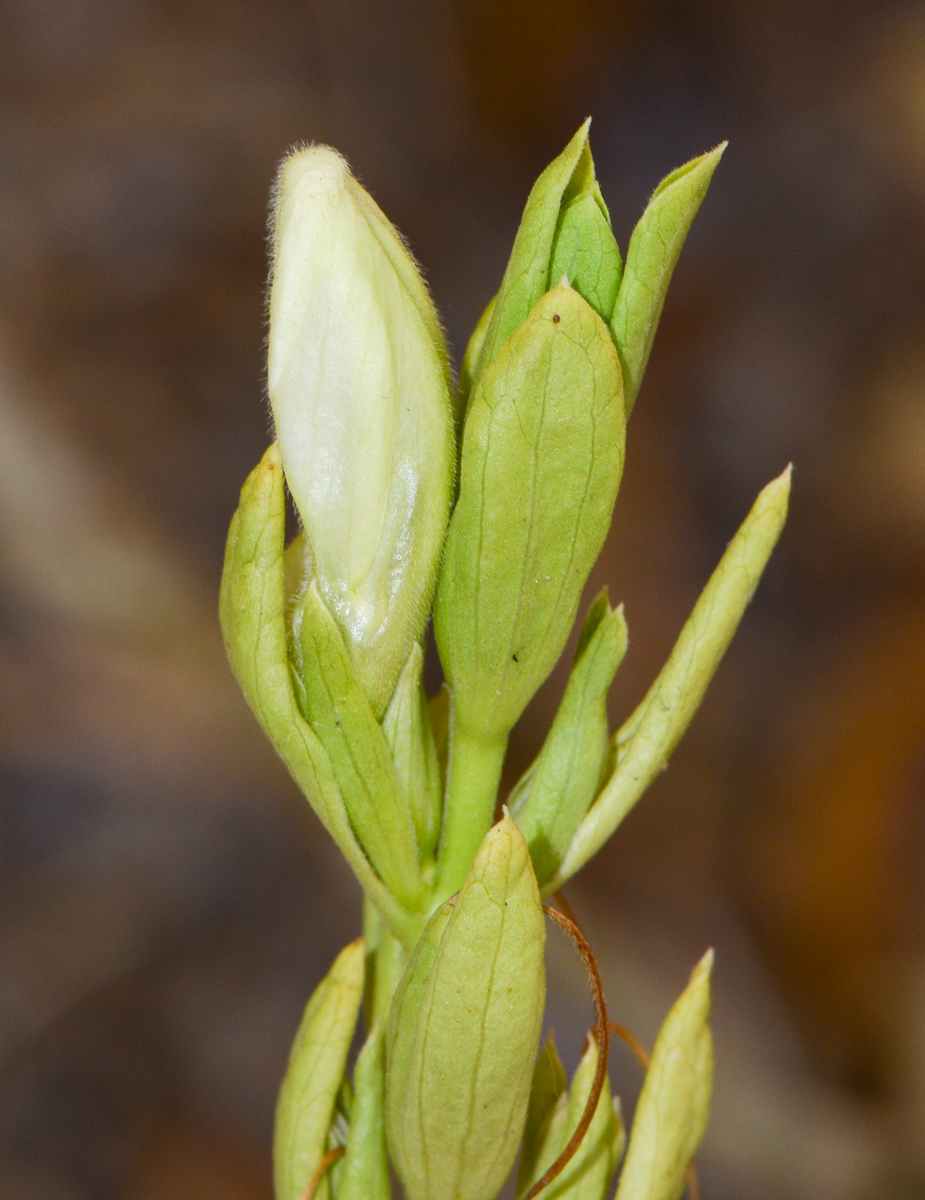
x=701 y=974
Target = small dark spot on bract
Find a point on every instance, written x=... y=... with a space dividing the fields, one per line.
x=556 y=319
x=515 y=658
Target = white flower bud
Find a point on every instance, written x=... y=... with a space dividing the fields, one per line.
x=360 y=391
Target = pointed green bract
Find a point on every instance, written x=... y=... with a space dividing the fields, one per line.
x=464 y=1029
x=470 y=362
x=410 y=739
x=541 y=465
x=564 y=231
x=674 y=1104
x=650 y=261
x=549 y=1084
x=364 y=1174
x=360 y=390
x=402 y=1028
x=563 y=782
x=341 y=717
x=542 y=460
x=586 y=253
x=526 y=278
x=316 y=1069
x=646 y=741
x=589 y=1173
x=252 y=609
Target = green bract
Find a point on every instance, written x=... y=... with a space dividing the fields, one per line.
x=339 y=713
x=541 y=464
x=650 y=261
x=410 y=739
x=644 y=743
x=252 y=608
x=589 y=1174
x=364 y=1174
x=464 y=1029
x=359 y=385
x=313 y=1078
x=673 y=1107
x=559 y=788
x=325 y=639
x=565 y=229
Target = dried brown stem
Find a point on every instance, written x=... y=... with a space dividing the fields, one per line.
x=599 y=1032
x=640 y=1053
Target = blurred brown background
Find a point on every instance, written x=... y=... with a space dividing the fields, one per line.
x=166 y=902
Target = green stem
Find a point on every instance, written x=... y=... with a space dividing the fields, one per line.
x=473 y=775
x=386 y=958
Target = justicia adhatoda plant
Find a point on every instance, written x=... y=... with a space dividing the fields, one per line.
x=488 y=508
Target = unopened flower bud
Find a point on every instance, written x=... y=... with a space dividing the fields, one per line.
x=359 y=387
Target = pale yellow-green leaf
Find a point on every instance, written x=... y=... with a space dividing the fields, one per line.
x=252 y=608
x=647 y=739
x=563 y=782
x=587 y=1175
x=674 y=1104
x=549 y=1084
x=364 y=1174
x=586 y=253
x=526 y=277
x=402 y=1023
x=340 y=715
x=650 y=261
x=464 y=1030
x=316 y=1069
x=410 y=739
x=541 y=465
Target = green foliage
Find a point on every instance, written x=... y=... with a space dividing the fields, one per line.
x=340 y=715
x=559 y=788
x=316 y=1069
x=589 y=1174
x=674 y=1104
x=644 y=743
x=410 y=739
x=541 y=464
x=650 y=262
x=585 y=251
x=464 y=1030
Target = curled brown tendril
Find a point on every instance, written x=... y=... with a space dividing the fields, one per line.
x=641 y=1054
x=599 y=1032
x=331 y=1157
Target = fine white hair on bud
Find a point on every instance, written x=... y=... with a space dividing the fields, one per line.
x=360 y=391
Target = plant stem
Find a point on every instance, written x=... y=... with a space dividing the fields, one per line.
x=385 y=961
x=473 y=775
